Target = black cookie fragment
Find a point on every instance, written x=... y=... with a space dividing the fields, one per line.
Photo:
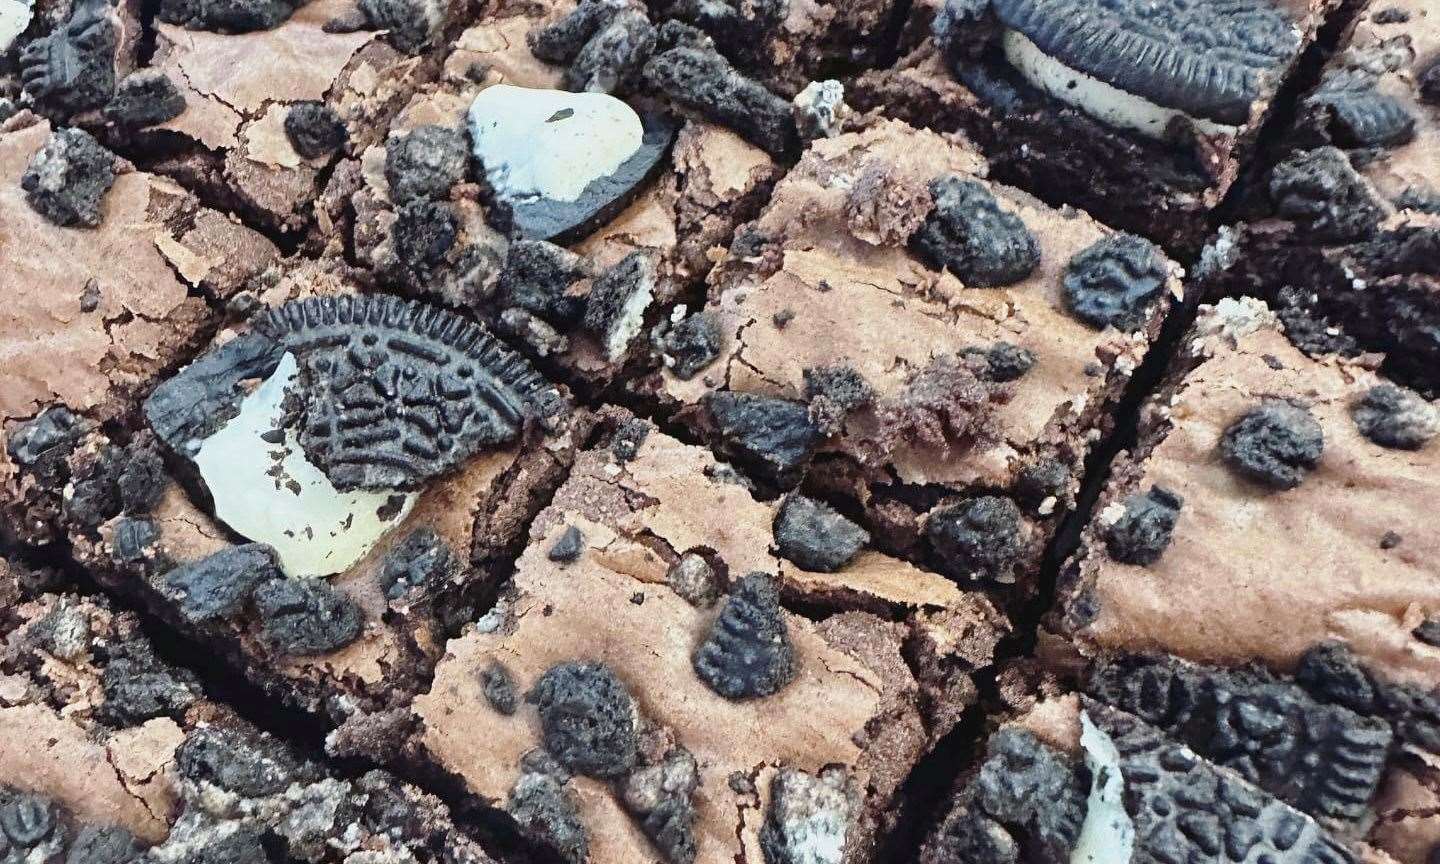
x=1429 y=83
x=1003 y=362
x=588 y=718
x=1321 y=191
x=1027 y=785
x=546 y=810
x=27 y=818
x=411 y=23
x=1331 y=671
x=1360 y=115
x=107 y=844
x=980 y=538
x=419 y=566
x=811 y=534
x=690 y=345
x=969 y=233
x=73 y=68
x=1112 y=282
x=560 y=41
x=247 y=765
x=1210 y=60
x=537 y=277
x=1429 y=631
x=1394 y=417
x=138 y=687
x=967 y=836
x=568 y=546
x=701 y=79
x=425 y=163
x=498 y=685
x=1141 y=535
x=315 y=129
x=619 y=299
x=806 y=812
x=218 y=586
x=68 y=177
x=41 y=446
x=1274 y=443
x=775 y=438
x=611 y=60
x=747 y=653
x=227 y=16
x=660 y=797
x=425 y=231
x=145 y=98
x=306 y=617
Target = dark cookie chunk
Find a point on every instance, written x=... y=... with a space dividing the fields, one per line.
x=690 y=345
x=73 y=68
x=568 y=547
x=978 y=539
x=693 y=577
x=1142 y=534
x=588 y=718
x=1041 y=481
x=1211 y=60
x=419 y=566
x=247 y=765
x=1274 y=443
x=615 y=310
x=611 y=60
x=1359 y=114
x=219 y=585
x=660 y=796
x=67 y=178
x=1324 y=759
x=1429 y=632
x=1321 y=190
x=807 y=812
x=134 y=539
x=227 y=16
x=1331 y=671
x=315 y=130
x=145 y=98
x=626 y=441
x=775 y=438
x=1004 y=362
x=411 y=23
x=425 y=163
x=306 y=617
x=967 y=836
x=1429 y=84
x=498 y=685
x=109 y=844
x=1393 y=417
x=42 y=446
x=560 y=42
x=1185 y=809
x=244 y=845
x=811 y=534
x=968 y=233
x=425 y=231
x=748 y=653
x=1027 y=785
x=138 y=687
x=834 y=392
x=1113 y=282
x=537 y=277
x=27 y=818
x=701 y=79
x=546 y=810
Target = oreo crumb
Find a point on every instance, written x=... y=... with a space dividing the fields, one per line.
x=783 y=317
x=1391 y=15
x=1430 y=84
x=1274 y=443
x=68 y=177
x=547 y=811
x=411 y=23
x=145 y=98
x=1390 y=539
x=107 y=844
x=27 y=819
x=1004 y=361
x=811 y=534
x=1028 y=785
x=659 y=795
x=314 y=129
x=834 y=393
x=1042 y=480
x=138 y=687
x=560 y=42
x=981 y=538
x=820 y=110
x=425 y=163
x=588 y=718
x=227 y=16
x=306 y=617
x=217 y=587
x=72 y=69
x=537 y=277
x=1113 y=282
x=419 y=566
x=969 y=234
x=773 y=437
x=498 y=685
x=808 y=813
x=691 y=345
x=967 y=836
x=1394 y=417
x=638 y=598
x=747 y=654
x=1143 y=533
x=1359 y=114
x=610 y=61
x=625 y=444
x=619 y=299
x=568 y=547
x=1321 y=191
x=1429 y=632
x=694 y=579
x=248 y=766
x=424 y=232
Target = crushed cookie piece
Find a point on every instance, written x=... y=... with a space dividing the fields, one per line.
x=834 y=392
x=1113 y=282
x=773 y=437
x=73 y=68
x=809 y=816
x=411 y=24
x=1003 y=361
x=820 y=110
x=1322 y=191
x=748 y=654
x=306 y=617
x=812 y=534
x=1274 y=443
x=660 y=795
x=425 y=163
x=625 y=444
x=588 y=718
x=615 y=311
x=419 y=566
x=1360 y=115
x=1390 y=539
x=68 y=177
x=1026 y=784
x=1041 y=480
x=546 y=809
x=315 y=129
x=1394 y=417
x=498 y=685
x=568 y=547
x=145 y=98
x=690 y=345
x=218 y=586
x=1429 y=632
x=611 y=60
x=538 y=277
x=970 y=234
x=1142 y=534
x=227 y=16
x=978 y=539
x=425 y=231
x=694 y=579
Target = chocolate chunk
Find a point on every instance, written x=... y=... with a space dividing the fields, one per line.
x=411 y=24
x=1274 y=443
x=1210 y=60
x=248 y=765
x=1025 y=784
x=967 y=836
x=1396 y=418
x=1323 y=759
x=811 y=534
x=219 y=585
x=690 y=345
x=315 y=130
x=67 y=178
x=1321 y=191
x=1143 y=533
x=546 y=810
x=773 y=437
x=981 y=538
x=660 y=796
x=419 y=566
x=303 y=618
x=610 y=61
x=538 y=276
x=108 y=844
x=809 y=817
x=704 y=81
x=227 y=16
x=498 y=685
x=1360 y=115
x=588 y=718
x=28 y=818
x=615 y=310
x=1004 y=361
x=424 y=232
x=568 y=547
x=138 y=687
x=748 y=654
x=969 y=233
x=425 y=163
x=73 y=68
x=145 y=98
x=1113 y=282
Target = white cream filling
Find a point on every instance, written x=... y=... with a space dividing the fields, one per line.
x=1105 y=103
x=270 y=493
x=550 y=143
x=14 y=18
x=1107 y=836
